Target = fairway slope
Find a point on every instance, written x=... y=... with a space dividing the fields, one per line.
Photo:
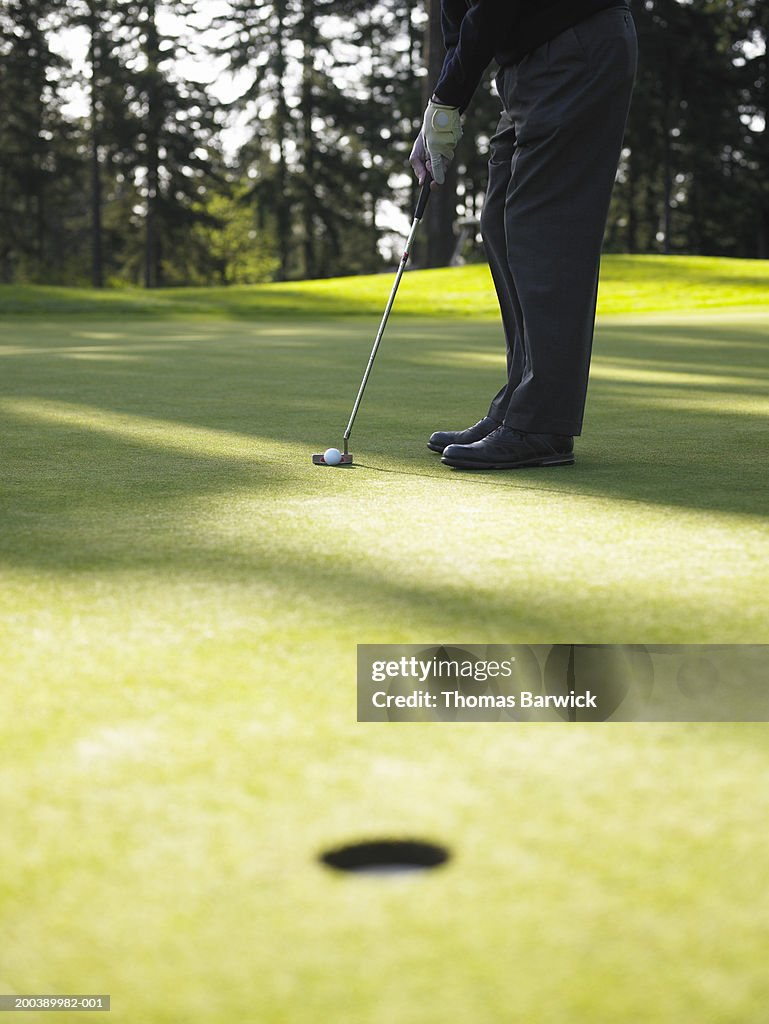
x=629 y=284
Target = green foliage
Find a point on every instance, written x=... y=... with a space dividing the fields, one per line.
x=231 y=247
x=692 y=177
x=139 y=190
x=40 y=181
x=327 y=135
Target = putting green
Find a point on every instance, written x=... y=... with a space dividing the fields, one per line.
x=182 y=597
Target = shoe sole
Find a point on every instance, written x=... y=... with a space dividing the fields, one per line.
x=551 y=460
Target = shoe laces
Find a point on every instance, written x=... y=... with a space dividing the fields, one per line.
x=500 y=432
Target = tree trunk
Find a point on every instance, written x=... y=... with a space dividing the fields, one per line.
x=632 y=219
x=307 y=105
x=762 y=236
x=97 y=265
x=370 y=198
x=282 y=119
x=154 y=126
x=651 y=213
x=667 y=170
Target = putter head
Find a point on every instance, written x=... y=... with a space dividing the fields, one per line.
x=318 y=460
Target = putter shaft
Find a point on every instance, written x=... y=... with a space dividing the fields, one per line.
x=421 y=205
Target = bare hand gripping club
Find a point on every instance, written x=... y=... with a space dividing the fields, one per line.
x=424 y=195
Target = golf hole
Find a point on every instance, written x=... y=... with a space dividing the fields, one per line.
x=386 y=857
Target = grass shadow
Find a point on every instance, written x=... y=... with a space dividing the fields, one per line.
x=665 y=425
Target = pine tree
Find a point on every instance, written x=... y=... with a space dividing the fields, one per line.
x=38 y=160
x=752 y=55
x=362 y=125
x=111 y=128
x=177 y=122
x=684 y=176
x=388 y=39
x=256 y=40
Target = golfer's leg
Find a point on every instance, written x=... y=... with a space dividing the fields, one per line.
x=569 y=102
x=501 y=153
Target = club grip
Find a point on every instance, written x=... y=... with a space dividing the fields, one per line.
x=424 y=195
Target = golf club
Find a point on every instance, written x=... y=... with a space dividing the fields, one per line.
x=345 y=459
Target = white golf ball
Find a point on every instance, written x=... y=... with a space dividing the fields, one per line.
x=332 y=456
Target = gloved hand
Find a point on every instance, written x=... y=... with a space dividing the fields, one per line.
x=419 y=157
x=434 y=146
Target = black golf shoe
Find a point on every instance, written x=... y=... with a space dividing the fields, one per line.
x=443 y=438
x=505 y=448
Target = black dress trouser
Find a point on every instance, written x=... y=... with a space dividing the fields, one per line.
x=553 y=161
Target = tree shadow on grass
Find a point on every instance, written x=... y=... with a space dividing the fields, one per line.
x=106 y=462
x=102 y=506
x=677 y=410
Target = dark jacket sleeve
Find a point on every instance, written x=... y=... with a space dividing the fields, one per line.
x=470 y=36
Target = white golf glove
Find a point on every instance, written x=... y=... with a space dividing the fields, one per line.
x=441 y=131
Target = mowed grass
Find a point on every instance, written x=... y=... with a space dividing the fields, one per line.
x=182 y=597
x=630 y=284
